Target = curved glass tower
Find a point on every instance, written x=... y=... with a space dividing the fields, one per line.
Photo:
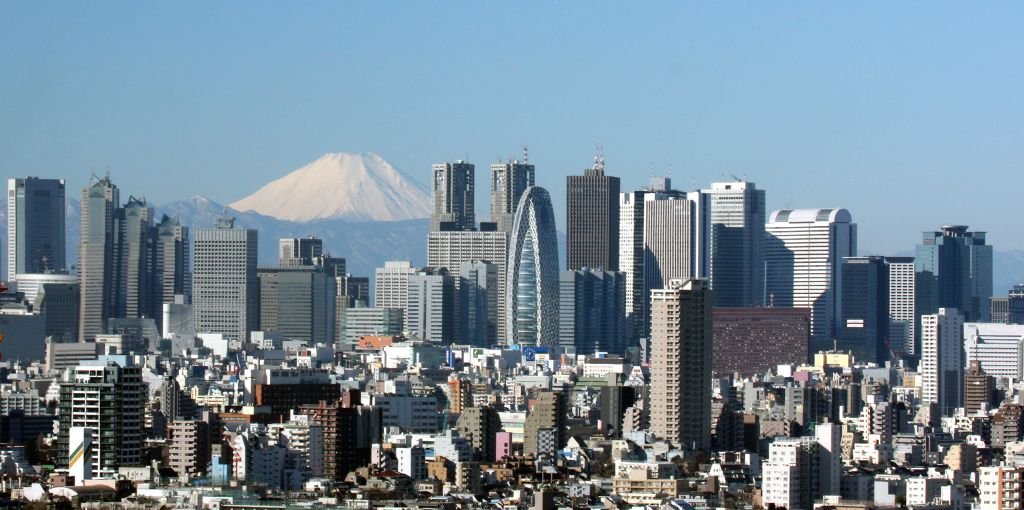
x=531 y=288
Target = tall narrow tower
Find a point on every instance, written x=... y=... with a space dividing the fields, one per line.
x=454 y=197
x=96 y=256
x=35 y=226
x=681 y=318
x=508 y=183
x=592 y=219
x=737 y=228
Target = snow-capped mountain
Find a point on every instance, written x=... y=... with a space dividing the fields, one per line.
x=341 y=186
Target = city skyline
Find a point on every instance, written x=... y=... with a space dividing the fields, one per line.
x=891 y=98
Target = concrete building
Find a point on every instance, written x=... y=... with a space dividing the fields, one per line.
x=737 y=221
x=902 y=305
x=453 y=249
x=681 y=346
x=300 y=251
x=942 y=360
x=803 y=251
x=360 y=322
x=391 y=284
x=100 y=200
x=109 y=399
x=225 y=290
x=297 y=301
x=35 y=226
x=863 y=322
x=954 y=270
x=477 y=303
x=430 y=308
x=531 y=294
x=592 y=219
x=546 y=416
x=189 y=451
x=999 y=348
x=752 y=341
x=508 y=183
x=592 y=313
x=454 y=194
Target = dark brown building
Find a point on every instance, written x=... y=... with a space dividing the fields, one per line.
x=592 y=222
x=978 y=388
x=282 y=399
x=754 y=340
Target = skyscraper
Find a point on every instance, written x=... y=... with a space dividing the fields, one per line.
x=171 y=262
x=592 y=220
x=477 y=309
x=902 y=295
x=100 y=200
x=454 y=197
x=531 y=295
x=133 y=265
x=675 y=242
x=942 y=359
x=954 y=270
x=391 y=284
x=681 y=332
x=803 y=252
x=863 y=326
x=430 y=307
x=453 y=249
x=301 y=251
x=508 y=183
x=225 y=291
x=35 y=226
x=737 y=228
x=592 y=314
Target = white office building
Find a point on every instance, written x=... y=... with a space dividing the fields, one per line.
x=998 y=347
x=803 y=254
x=942 y=360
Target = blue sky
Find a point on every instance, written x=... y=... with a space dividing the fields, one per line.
x=910 y=114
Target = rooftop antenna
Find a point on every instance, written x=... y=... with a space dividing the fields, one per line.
x=526 y=154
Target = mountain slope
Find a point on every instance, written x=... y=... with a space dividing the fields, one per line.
x=354 y=187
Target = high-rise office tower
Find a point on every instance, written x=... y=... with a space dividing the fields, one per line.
x=225 y=290
x=453 y=249
x=902 y=294
x=675 y=242
x=430 y=307
x=100 y=201
x=454 y=197
x=508 y=183
x=391 y=284
x=109 y=399
x=477 y=308
x=737 y=229
x=133 y=265
x=942 y=359
x=300 y=251
x=531 y=295
x=298 y=301
x=592 y=219
x=681 y=332
x=954 y=270
x=35 y=226
x=863 y=326
x=170 y=261
x=592 y=313
x=803 y=252
x=1016 y=304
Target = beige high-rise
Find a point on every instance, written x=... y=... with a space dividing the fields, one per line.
x=681 y=363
